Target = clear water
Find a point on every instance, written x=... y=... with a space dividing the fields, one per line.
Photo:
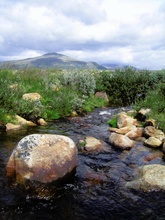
x=97 y=191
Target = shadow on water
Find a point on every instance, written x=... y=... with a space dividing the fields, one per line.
x=97 y=191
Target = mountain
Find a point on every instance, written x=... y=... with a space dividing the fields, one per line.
x=51 y=60
x=113 y=66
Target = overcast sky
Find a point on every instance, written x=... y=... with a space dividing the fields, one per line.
x=131 y=32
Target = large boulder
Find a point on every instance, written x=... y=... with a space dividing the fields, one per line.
x=42 y=158
x=120 y=141
x=150 y=178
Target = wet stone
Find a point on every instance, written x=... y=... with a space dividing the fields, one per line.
x=54 y=157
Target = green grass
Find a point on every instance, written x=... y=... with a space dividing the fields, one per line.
x=75 y=91
x=113 y=122
x=155 y=100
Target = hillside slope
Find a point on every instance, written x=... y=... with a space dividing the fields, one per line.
x=51 y=60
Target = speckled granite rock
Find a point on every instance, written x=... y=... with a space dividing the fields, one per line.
x=43 y=158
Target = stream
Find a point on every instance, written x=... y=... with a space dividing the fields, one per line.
x=97 y=191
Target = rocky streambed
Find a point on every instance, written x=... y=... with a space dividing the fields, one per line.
x=99 y=189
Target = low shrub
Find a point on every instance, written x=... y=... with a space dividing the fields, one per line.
x=93 y=102
x=155 y=100
x=125 y=86
x=82 y=81
x=58 y=104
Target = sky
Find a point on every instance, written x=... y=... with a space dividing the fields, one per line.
x=129 y=32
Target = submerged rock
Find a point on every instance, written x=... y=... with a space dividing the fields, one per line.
x=42 y=158
x=150 y=178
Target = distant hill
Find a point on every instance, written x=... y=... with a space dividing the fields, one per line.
x=51 y=60
x=113 y=66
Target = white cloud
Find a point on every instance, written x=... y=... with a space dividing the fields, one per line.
x=87 y=12
x=23 y=55
x=130 y=31
x=104 y=56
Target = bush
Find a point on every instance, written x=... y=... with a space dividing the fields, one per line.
x=125 y=86
x=103 y=80
x=82 y=81
x=58 y=104
x=155 y=100
x=93 y=102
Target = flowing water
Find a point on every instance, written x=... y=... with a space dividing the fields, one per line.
x=97 y=191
